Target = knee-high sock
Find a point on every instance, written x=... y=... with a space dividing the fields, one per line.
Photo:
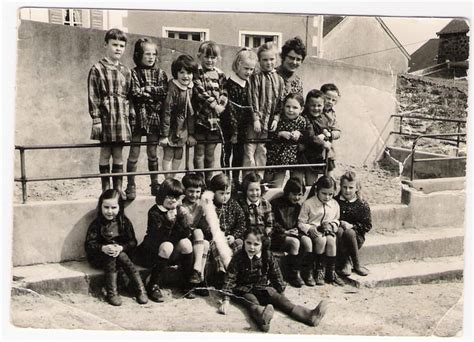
x=198 y=249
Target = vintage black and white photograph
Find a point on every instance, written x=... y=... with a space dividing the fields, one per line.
x=236 y=171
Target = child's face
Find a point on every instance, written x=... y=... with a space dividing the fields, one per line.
x=184 y=77
x=315 y=106
x=349 y=189
x=149 y=55
x=246 y=68
x=253 y=245
x=267 y=60
x=110 y=208
x=292 y=109
x=330 y=99
x=254 y=192
x=192 y=195
x=292 y=61
x=325 y=194
x=208 y=62
x=222 y=196
x=295 y=198
x=114 y=49
x=170 y=202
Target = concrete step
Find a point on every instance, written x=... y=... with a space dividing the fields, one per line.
x=409 y=244
x=410 y=272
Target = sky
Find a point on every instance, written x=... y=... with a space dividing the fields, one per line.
x=414 y=32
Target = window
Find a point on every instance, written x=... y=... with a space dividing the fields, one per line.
x=72 y=17
x=255 y=39
x=184 y=33
x=77 y=17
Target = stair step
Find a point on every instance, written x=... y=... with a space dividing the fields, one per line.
x=411 y=244
x=410 y=272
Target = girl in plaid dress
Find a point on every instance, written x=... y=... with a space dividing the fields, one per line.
x=283 y=151
x=149 y=89
x=110 y=106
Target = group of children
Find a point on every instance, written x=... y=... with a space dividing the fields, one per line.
x=200 y=104
x=261 y=118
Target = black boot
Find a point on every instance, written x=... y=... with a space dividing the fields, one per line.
x=262 y=315
x=294 y=276
x=117 y=180
x=105 y=180
x=187 y=269
x=131 y=190
x=310 y=317
x=331 y=275
x=153 y=166
x=307 y=269
x=135 y=278
x=153 y=289
x=111 y=286
x=319 y=268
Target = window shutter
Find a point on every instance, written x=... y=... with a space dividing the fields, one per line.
x=97 y=19
x=56 y=16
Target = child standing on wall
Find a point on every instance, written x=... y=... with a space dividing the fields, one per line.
x=110 y=106
x=149 y=89
x=109 y=240
x=177 y=127
x=330 y=131
x=209 y=101
x=266 y=94
x=314 y=143
x=238 y=112
x=255 y=279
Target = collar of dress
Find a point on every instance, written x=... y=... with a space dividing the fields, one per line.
x=250 y=203
x=234 y=77
x=183 y=87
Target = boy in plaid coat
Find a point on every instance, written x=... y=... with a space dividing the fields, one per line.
x=110 y=106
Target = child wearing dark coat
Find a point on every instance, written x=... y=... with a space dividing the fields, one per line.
x=355 y=221
x=167 y=238
x=255 y=279
x=109 y=240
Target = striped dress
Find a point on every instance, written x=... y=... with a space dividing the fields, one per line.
x=109 y=95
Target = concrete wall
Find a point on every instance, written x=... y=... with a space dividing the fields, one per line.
x=224 y=27
x=51 y=104
x=47 y=232
x=364 y=37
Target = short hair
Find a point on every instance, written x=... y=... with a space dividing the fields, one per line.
x=295 y=96
x=329 y=87
x=243 y=54
x=296 y=44
x=219 y=182
x=351 y=176
x=170 y=187
x=117 y=34
x=193 y=180
x=251 y=177
x=314 y=93
x=109 y=194
x=269 y=46
x=324 y=182
x=140 y=48
x=185 y=62
x=293 y=185
x=255 y=231
x=209 y=48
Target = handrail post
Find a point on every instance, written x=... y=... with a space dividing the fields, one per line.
x=458 y=139
x=24 y=193
x=412 y=171
x=186 y=158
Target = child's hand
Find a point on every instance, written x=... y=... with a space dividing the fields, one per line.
x=322 y=136
x=108 y=249
x=117 y=250
x=233 y=139
x=313 y=233
x=327 y=145
x=273 y=126
x=327 y=133
x=346 y=225
x=285 y=135
x=257 y=127
x=164 y=141
x=268 y=230
x=219 y=109
x=148 y=89
x=292 y=232
x=223 y=306
x=295 y=135
x=97 y=129
x=191 y=140
x=230 y=239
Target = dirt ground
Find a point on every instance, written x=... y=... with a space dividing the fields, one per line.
x=416 y=310
x=379 y=187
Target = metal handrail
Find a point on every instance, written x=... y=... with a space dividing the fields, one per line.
x=432 y=136
x=24 y=179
